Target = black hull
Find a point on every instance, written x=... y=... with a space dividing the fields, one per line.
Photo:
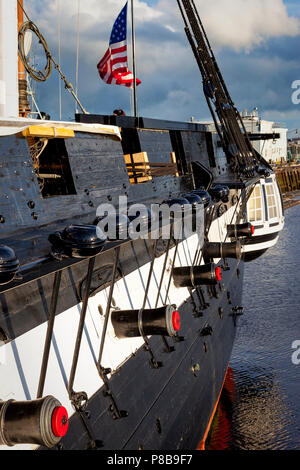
x=169 y=408
x=57 y=184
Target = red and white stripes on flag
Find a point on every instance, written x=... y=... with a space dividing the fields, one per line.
x=113 y=67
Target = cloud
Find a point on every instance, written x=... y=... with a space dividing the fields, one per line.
x=244 y=24
x=238 y=24
x=171 y=82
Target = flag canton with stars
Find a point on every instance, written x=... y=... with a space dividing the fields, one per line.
x=119 y=32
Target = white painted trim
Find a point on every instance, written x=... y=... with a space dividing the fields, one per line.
x=260 y=246
x=9 y=56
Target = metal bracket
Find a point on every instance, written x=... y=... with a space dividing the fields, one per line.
x=179 y=339
x=167 y=347
x=104 y=372
x=201 y=297
x=153 y=362
x=114 y=409
x=79 y=401
x=95 y=444
x=49 y=334
x=225 y=266
x=235 y=313
x=206 y=331
x=197 y=312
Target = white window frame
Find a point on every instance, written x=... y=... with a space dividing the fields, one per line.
x=257 y=209
x=276 y=206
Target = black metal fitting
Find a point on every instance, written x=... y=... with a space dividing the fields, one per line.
x=194 y=199
x=179 y=206
x=114 y=226
x=220 y=193
x=179 y=339
x=264 y=172
x=79 y=401
x=206 y=331
x=31 y=204
x=79 y=241
x=237 y=311
x=145 y=220
x=9 y=265
x=204 y=195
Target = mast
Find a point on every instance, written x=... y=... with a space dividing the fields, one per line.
x=9 y=93
x=20 y=22
x=133 y=60
x=24 y=107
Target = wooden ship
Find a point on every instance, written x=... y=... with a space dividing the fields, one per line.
x=113 y=341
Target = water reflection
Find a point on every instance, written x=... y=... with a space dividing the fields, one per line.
x=252 y=414
x=259 y=407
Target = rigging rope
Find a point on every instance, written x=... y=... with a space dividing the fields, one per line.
x=31 y=94
x=42 y=76
x=59 y=57
x=77 y=51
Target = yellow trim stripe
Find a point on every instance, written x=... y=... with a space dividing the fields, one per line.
x=48 y=132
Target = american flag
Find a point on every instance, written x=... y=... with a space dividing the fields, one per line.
x=113 y=67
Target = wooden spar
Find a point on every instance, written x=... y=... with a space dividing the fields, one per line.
x=20 y=22
x=24 y=107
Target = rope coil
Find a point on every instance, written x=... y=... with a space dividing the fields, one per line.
x=38 y=75
x=42 y=75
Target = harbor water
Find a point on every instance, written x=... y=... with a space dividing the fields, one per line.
x=260 y=406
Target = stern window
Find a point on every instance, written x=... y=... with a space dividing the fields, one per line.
x=271 y=199
x=256 y=205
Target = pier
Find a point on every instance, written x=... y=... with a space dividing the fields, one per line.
x=289 y=181
x=288 y=177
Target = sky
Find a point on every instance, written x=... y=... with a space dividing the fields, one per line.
x=256 y=42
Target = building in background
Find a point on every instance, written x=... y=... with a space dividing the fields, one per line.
x=269 y=139
x=271 y=149
x=294 y=150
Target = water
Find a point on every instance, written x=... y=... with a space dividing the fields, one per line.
x=260 y=406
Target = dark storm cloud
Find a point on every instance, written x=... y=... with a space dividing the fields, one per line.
x=264 y=78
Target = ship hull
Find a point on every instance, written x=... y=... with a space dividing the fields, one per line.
x=133 y=405
x=169 y=408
